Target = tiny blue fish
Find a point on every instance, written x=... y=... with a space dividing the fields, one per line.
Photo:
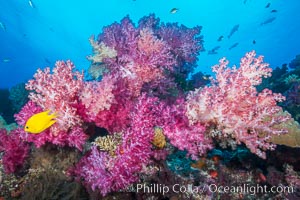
x=31 y=4
x=174 y=10
x=2 y=26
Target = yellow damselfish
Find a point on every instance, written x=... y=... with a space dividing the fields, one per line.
x=40 y=122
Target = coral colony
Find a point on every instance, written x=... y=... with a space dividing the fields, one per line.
x=146 y=104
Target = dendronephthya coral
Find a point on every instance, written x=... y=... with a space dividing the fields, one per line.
x=236 y=108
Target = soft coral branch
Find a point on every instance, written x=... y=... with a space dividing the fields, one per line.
x=59 y=92
x=234 y=106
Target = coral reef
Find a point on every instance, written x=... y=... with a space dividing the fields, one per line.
x=6 y=108
x=47 y=178
x=292 y=177
x=141 y=118
x=4 y=125
x=18 y=96
x=295 y=63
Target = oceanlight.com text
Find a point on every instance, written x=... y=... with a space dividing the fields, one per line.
x=212 y=188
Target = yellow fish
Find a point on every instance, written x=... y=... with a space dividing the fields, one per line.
x=40 y=122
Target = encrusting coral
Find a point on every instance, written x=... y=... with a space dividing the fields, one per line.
x=108 y=143
x=292 y=137
x=159 y=139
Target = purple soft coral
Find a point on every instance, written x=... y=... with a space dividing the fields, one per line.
x=136 y=149
x=119 y=171
x=143 y=53
x=14 y=148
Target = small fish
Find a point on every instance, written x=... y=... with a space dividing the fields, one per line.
x=233 y=30
x=40 y=122
x=2 y=26
x=211 y=52
x=174 y=10
x=220 y=38
x=6 y=60
x=273 y=11
x=233 y=46
x=31 y=4
x=253 y=42
x=268 y=5
x=206 y=77
x=245 y=1
x=268 y=21
x=47 y=61
x=214 y=50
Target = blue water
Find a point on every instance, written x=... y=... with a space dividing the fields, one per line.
x=35 y=37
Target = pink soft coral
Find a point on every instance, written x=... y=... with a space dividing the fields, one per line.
x=184 y=136
x=234 y=106
x=59 y=92
x=116 y=118
x=14 y=148
x=97 y=96
x=73 y=138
